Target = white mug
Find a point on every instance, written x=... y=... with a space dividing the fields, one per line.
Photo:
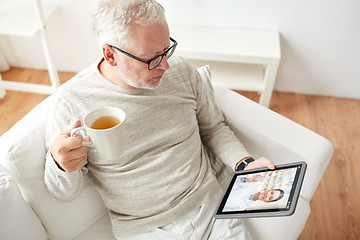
x=109 y=141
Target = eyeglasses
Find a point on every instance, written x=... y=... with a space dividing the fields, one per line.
x=154 y=62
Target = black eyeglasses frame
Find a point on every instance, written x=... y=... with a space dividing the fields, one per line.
x=171 y=48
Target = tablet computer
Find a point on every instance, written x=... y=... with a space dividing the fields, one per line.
x=262 y=192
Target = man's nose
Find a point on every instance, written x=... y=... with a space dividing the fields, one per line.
x=163 y=64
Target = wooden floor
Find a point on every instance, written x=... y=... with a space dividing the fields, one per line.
x=335 y=208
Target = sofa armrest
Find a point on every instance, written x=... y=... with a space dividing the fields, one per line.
x=18 y=221
x=22 y=152
x=266 y=133
x=280 y=228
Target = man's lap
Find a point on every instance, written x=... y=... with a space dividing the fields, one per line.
x=199 y=224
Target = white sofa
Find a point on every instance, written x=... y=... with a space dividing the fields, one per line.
x=28 y=211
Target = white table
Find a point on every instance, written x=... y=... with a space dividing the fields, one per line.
x=241 y=59
x=26 y=18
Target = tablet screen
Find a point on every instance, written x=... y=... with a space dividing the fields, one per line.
x=263 y=192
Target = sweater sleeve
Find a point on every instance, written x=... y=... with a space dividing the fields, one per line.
x=62 y=185
x=215 y=134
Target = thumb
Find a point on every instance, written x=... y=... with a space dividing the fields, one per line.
x=70 y=127
x=267 y=163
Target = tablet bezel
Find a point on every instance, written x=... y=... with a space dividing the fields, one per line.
x=292 y=201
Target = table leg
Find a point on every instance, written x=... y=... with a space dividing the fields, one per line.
x=269 y=80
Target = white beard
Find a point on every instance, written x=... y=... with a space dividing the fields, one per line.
x=135 y=83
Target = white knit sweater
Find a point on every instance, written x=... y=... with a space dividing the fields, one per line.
x=164 y=172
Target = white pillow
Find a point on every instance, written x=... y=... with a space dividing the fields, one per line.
x=205 y=75
x=18 y=221
x=22 y=151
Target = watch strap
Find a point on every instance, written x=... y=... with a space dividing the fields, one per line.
x=244 y=163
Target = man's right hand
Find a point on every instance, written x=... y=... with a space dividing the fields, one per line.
x=67 y=151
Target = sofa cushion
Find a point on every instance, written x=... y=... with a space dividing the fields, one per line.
x=18 y=221
x=205 y=76
x=22 y=151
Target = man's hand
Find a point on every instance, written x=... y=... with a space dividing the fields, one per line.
x=260 y=163
x=67 y=151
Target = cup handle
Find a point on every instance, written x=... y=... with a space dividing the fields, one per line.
x=82 y=131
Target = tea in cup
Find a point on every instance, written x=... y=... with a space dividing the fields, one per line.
x=107 y=131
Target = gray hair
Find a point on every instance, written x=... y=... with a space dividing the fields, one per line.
x=112 y=19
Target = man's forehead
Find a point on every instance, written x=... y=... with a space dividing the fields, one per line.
x=147 y=42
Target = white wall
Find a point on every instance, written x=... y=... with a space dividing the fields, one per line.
x=320 y=40
x=72 y=45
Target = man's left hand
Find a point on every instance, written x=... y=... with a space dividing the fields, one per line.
x=260 y=163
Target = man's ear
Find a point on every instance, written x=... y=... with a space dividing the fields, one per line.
x=108 y=53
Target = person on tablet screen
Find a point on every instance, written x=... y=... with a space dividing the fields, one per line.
x=163 y=185
x=246 y=190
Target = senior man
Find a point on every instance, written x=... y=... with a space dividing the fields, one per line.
x=163 y=186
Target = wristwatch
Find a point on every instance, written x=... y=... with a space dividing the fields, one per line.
x=244 y=163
